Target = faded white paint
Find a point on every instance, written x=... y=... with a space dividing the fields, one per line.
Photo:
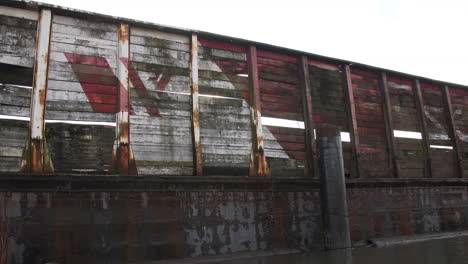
x=40 y=75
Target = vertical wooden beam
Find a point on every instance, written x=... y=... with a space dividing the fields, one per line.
x=258 y=163
x=352 y=121
x=423 y=125
x=123 y=161
x=197 y=151
x=334 y=204
x=37 y=158
x=388 y=119
x=311 y=168
x=453 y=131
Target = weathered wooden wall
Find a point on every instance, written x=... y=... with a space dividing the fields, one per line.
x=160 y=126
x=17 y=53
x=196 y=104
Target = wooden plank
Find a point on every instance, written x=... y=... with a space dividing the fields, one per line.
x=352 y=120
x=453 y=131
x=388 y=119
x=143 y=32
x=19 y=13
x=123 y=161
x=197 y=147
x=258 y=162
x=423 y=126
x=311 y=167
x=37 y=159
x=63 y=20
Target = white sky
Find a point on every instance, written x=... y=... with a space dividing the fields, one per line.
x=421 y=37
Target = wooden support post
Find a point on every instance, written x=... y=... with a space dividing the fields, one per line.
x=311 y=168
x=123 y=161
x=453 y=131
x=352 y=121
x=333 y=189
x=36 y=158
x=197 y=151
x=423 y=125
x=388 y=119
x=258 y=163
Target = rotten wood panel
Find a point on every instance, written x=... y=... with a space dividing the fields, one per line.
x=18 y=46
x=36 y=157
x=14 y=136
x=83 y=70
x=408 y=151
x=389 y=129
x=329 y=103
x=311 y=145
x=423 y=127
x=352 y=121
x=258 y=162
x=223 y=69
x=368 y=102
x=161 y=130
x=281 y=96
x=453 y=131
x=197 y=150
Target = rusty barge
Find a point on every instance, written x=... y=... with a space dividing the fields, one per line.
x=125 y=141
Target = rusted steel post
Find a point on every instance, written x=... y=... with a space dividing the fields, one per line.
x=123 y=162
x=36 y=158
x=388 y=119
x=311 y=168
x=423 y=125
x=258 y=163
x=453 y=131
x=333 y=189
x=352 y=121
x=197 y=151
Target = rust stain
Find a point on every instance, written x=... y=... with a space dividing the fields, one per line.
x=262 y=163
x=123 y=33
x=198 y=159
x=196 y=117
x=36 y=155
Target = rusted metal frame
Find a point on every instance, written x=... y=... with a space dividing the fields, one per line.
x=352 y=121
x=311 y=168
x=453 y=131
x=37 y=158
x=258 y=162
x=197 y=151
x=389 y=130
x=423 y=125
x=122 y=156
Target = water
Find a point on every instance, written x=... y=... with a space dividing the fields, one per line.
x=441 y=251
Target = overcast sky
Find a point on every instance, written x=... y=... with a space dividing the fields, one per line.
x=422 y=37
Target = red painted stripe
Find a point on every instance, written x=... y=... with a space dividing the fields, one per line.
x=430 y=86
x=95 y=79
x=400 y=80
x=324 y=65
x=277 y=56
x=101 y=98
x=278 y=85
x=222 y=45
x=101 y=89
x=458 y=91
x=271 y=62
x=232 y=67
x=141 y=89
x=364 y=73
x=86 y=60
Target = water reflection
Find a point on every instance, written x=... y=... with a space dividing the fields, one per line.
x=442 y=251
